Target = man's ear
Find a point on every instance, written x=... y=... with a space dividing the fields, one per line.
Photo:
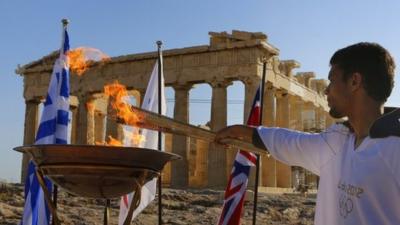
x=356 y=81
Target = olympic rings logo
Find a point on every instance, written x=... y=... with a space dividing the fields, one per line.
x=346 y=206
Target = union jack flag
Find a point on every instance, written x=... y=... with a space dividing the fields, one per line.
x=237 y=184
x=53 y=129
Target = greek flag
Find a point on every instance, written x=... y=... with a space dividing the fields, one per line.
x=53 y=129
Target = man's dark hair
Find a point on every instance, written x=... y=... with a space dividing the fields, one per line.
x=373 y=62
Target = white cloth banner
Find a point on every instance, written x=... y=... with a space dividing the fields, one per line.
x=150 y=103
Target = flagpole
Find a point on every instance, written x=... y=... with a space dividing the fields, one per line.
x=159 y=182
x=55 y=187
x=258 y=156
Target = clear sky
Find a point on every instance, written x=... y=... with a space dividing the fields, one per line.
x=308 y=31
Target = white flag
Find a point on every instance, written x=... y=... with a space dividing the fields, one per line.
x=150 y=103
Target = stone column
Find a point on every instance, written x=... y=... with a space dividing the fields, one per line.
x=201 y=163
x=298 y=177
x=251 y=86
x=31 y=125
x=311 y=179
x=90 y=108
x=74 y=118
x=309 y=117
x=192 y=162
x=269 y=110
x=283 y=109
x=320 y=119
x=217 y=166
x=180 y=144
x=113 y=129
x=85 y=120
x=284 y=172
x=296 y=113
x=166 y=173
x=99 y=133
x=268 y=164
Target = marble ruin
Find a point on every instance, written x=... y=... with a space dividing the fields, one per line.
x=292 y=100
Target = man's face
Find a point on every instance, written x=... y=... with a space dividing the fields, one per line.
x=338 y=93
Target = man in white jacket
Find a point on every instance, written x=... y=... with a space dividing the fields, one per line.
x=358 y=162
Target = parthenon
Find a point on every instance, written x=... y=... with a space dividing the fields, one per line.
x=292 y=100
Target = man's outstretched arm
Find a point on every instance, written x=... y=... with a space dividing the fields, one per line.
x=295 y=148
x=240 y=132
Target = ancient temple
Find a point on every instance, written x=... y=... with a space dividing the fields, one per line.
x=291 y=100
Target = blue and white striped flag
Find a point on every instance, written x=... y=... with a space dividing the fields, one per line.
x=53 y=129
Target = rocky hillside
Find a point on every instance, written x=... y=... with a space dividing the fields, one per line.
x=179 y=207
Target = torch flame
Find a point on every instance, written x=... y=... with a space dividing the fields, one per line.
x=80 y=58
x=77 y=62
x=113 y=142
x=118 y=94
x=138 y=139
x=134 y=138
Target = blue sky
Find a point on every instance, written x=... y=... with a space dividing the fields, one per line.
x=307 y=31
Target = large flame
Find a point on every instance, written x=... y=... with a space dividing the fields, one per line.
x=113 y=142
x=118 y=96
x=80 y=58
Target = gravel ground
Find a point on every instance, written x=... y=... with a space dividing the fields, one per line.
x=179 y=207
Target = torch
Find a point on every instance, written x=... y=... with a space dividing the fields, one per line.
x=149 y=120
